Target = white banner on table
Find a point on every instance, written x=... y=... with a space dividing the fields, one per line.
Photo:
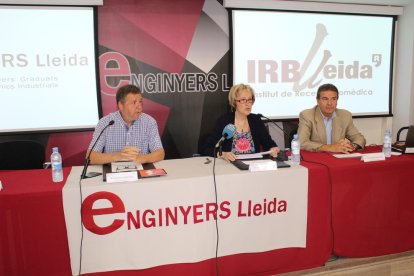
x=170 y=219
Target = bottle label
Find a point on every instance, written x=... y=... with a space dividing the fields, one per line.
x=57 y=166
x=296 y=151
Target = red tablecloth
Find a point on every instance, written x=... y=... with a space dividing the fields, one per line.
x=33 y=238
x=372 y=203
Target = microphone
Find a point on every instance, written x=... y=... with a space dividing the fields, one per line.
x=88 y=160
x=228 y=132
x=281 y=155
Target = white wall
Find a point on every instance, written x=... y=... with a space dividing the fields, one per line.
x=404 y=71
x=403 y=94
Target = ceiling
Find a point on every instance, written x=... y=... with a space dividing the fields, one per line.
x=368 y=2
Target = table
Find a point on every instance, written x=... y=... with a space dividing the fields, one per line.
x=372 y=203
x=35 y=239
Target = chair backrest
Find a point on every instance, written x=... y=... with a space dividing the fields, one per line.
x=409 y=140
x=399 y=132
x=21 y=155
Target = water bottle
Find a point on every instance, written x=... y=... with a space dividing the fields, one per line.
x=56 y=160
x=386 y=147
x=295 y=150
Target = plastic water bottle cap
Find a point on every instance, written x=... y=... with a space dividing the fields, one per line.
x=295 y=136
x=55 y=149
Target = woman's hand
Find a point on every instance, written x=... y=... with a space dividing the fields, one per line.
x=274 y=151
x=228 y=156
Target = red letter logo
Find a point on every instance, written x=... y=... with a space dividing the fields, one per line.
x=88 y=212
x=120 y=69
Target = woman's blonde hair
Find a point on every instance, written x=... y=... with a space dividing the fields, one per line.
x=235 y=92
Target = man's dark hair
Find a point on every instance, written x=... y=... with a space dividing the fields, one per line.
x=123 y=91
x=327 y=87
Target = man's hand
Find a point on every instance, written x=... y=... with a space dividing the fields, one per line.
x=129 y=153
x=343 y=146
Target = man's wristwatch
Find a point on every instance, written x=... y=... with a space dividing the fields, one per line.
x=356 y=146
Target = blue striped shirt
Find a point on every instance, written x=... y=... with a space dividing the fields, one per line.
x=143 y=134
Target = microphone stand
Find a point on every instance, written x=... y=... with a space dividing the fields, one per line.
x=221 y=148
x=261 y=115
x=89 y=174
x=88 y=160
x=228 y=132
x=219 y=144
x=282 y=155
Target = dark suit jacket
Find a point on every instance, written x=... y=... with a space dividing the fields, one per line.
x=312 y=132
x=260 y=134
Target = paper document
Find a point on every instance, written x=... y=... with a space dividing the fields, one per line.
x=409 y=150
x=347 y=155
x=252 y=155
x=249 y=156
x=125 y=166
x=121 y=177
x=261 y=165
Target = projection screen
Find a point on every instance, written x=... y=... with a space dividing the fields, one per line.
x=286 y=55
x=48 y=69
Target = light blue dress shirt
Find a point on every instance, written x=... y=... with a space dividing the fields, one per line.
x=328 y=127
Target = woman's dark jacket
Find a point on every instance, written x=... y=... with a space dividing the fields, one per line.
x=260 y=134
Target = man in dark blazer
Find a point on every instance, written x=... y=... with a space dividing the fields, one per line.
x=327 y=128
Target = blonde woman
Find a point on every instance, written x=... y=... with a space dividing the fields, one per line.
x=251 y=135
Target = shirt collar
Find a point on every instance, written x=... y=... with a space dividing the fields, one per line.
x=121 y=120
x=327 y=118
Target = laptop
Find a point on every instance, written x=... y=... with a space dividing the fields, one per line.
x=406 y=146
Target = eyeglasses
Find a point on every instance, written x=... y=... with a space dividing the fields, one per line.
x=131 y=167
x=243 y=101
